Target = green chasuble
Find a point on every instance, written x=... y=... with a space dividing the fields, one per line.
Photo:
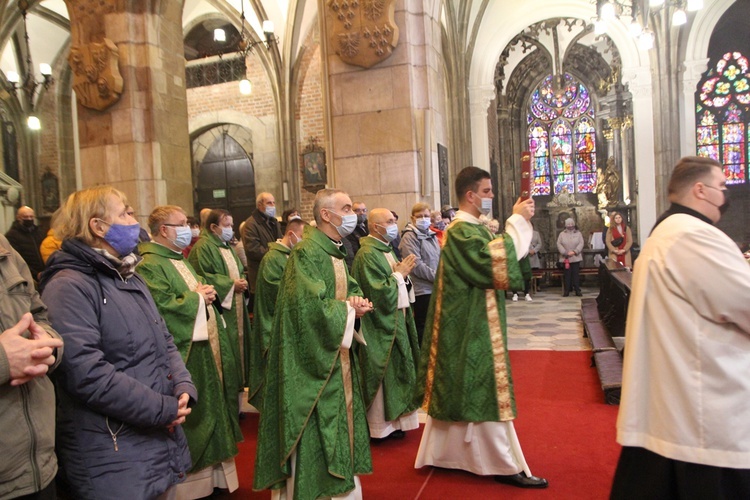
x=312 y=403
x=464 y=368
x=266 y=288
x=392 y=348
x=212 y=430
x=215 y=261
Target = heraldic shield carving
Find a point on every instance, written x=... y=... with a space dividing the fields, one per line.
x=96 y=74
x=363 y=32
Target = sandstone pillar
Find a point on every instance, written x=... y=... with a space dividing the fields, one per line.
x=386 y=121
x=139 y=144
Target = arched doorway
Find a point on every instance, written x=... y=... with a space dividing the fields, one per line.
x=226 y=179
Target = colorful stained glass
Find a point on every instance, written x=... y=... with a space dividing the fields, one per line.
x=728 y=81
x=722 y=129
x=733 y=147
x=562 y=136
x=586 y=155
x=539 y=148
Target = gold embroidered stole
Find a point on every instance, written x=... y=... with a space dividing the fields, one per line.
x=501 y=282
x=213 y=329
x=342 y=290
x=234 y=272
x=437 y=314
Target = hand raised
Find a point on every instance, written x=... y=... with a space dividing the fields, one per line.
x=525 y=208
x=407 y=265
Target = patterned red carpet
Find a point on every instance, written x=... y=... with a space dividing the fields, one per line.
x=566 y=431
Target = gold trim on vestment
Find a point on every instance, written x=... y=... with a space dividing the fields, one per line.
x=502 y=383
x=213 y=330
x=434 y=340
x=234 y=272
x=342 y=289
x=500 y=278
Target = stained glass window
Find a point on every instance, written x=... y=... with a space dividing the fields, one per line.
x=562 y=136
x=722 y=115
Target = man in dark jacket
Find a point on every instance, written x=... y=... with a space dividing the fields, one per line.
x=26 y=237
x=29 y=349
x=260 y=229
x=359 y=208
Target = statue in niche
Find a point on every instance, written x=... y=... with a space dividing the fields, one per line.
x=564 y=199
x=607 y=184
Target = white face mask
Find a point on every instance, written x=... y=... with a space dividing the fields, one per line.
x=423 y=223
x=391 y=232
x=226 y=234
x=195 y=232
x=348 y=224
x=486 y=206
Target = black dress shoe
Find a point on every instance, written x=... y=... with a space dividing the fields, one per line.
x=399 y=434
x=579 y=294
x=521 y=480
x=566 y=294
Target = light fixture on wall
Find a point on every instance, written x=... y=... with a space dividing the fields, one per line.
x=27 y=82
x=609 y=10
x=246 y=45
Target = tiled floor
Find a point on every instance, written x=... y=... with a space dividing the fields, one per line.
x=550 y=322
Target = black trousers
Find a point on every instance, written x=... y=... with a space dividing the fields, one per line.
x=48 y=493
x=420 y=306
x=572 y=278
x=642 y=474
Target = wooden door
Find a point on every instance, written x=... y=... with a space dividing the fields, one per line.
x=226 y=179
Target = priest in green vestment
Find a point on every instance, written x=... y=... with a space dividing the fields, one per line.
x=389 y=362
x=214 y=260
x=312 y=439
x=266 y=289
x=464 y=369
x=185 y=303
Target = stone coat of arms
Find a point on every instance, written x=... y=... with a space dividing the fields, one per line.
x=362 y=32
x=96 y=74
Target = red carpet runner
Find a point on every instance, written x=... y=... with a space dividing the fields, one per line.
x=566 y=431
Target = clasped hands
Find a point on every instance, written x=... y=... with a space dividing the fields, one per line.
x=207 y=292
x=360 y=305
x=182 y=411
x=28 y=358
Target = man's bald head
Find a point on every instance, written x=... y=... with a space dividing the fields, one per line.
x=25 y=213
x=264 y=200
x=381 y=216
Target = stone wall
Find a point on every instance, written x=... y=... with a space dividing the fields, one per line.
x=309 y=112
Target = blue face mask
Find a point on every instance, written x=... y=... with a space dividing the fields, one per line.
x=184 y=235
x=270 y=212
x=391 y=232
x=226 y=234
x=423 y=224
x=348 y=223
x=122 y=238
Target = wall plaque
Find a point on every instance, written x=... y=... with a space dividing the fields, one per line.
x=362 y=32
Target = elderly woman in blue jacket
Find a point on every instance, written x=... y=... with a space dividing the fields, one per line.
x=122 y=387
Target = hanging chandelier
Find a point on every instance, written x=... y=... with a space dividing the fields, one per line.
x=610 y=10
x=27 y=82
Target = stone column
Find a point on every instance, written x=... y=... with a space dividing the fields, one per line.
x=139 y=144
x=639 y=84
x=691 y=75
x=386 y=121
x=480 y=97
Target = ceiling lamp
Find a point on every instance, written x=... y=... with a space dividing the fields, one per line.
x=27 y=81
x=608 y=10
